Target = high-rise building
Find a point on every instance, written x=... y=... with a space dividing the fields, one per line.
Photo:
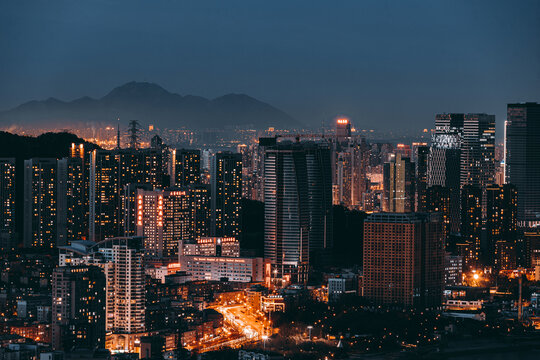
x=421 y=155
x=501 y=226
x=471 y=223
x=163 y=219
x=404 y=259
x=286 y=212
x=226 y=177
x=298 y=208
x=350 y=178
x=264 y=142
x=40 y=203
x=78 y=307
x=186 y=168
x=201 y=210
x=110 y=171
x=130 y=206
x=445 y=161
x=7 y=203
x=343 y=129
x=398 y=185
x=522 y=159
x=439 y=202
x=122 y=261
x=319 y=173
x=478 y=150
x=72 y=200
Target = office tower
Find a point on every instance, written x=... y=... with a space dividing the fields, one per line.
x=186 y=167
x=501 y=226
x=421 y=155
x=471 y=223
x=319 y=173
x=110 y=171
x=298 y=208
x=445 y=160
x=286 y=212
x=226 y=177
x=478 y=150
x=438 y=201
x=78 y=307
x=163 y=219
x=201 y=210
x=343 y=129
x=398 y=185
x=40 y=203
x=72 y=200
x=522 y=159
x=7 y=203
x=404 y=259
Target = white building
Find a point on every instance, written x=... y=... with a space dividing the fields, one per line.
x=216 y=268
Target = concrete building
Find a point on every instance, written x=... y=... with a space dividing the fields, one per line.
x=404 y=259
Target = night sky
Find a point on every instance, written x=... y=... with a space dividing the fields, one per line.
x=383 y=63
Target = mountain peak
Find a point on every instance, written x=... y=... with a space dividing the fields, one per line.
x=137 y=90
x=151 y=103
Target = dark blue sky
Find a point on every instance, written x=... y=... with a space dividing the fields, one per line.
x=383 y=63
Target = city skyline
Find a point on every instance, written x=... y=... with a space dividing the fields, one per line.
x=269 y=180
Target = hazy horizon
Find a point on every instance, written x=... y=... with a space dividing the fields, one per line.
x=384 y=64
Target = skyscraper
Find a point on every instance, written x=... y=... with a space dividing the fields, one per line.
x=72 y=200
x=398 y=185
x=343 y=129
x=501 y=226
x=40 y=203
x=350 y=179
x=226 y=177
x=186 y=167
x=298 y=208
x=78 y=307
x=7 y=203
x=471 y=223
x=404 y=259
x=522 y=159
x=201 y=210
x=478 y=150
x=421 y=155
x=319 y=173
x=122 y=261
x=444 y=166
x=286 y=212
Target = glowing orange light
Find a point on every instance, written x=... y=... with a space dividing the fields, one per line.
x=343 y=121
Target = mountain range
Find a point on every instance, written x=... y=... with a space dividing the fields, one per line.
x=150 y=104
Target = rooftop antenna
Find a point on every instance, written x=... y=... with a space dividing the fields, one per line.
x=118 y=134
x=134 y=130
